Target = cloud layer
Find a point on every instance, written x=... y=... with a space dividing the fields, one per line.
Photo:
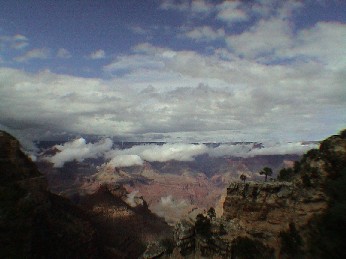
x=252 y=75
x=135 y=156
x=79 y=150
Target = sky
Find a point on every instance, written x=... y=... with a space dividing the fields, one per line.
x=175 y=71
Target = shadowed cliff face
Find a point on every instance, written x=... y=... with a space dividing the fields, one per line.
x=14 y=164
x=125 y=230
x=35 y=223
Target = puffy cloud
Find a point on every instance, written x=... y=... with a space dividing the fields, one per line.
x=230 y=12
x=205 y=33
x=63 y=53
x=324 y=41
x=283 y=149
x=171 y=208
x=43 y=53
x=153 y=152
x=125 y=161
x=201 y=6
x=17 y=41
x=135 y=156
x=265 y=38
x=131 y=198
x=179 y=152
x=98 y=54
x=270 y=80
x=79 y=150
x=250 y=150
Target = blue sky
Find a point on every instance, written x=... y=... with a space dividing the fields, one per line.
x=173 y=70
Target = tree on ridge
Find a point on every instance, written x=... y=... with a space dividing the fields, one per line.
x=267 y=172
x=243 y=177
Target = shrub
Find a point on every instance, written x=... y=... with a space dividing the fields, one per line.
x=291 y=242
x=286 y=174
x=203 y=226
x=246 y=248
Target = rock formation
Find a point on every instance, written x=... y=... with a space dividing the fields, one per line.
x=304 y=218
x=35 y=223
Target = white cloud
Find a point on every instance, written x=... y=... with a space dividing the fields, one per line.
x=230 y=12
x=282 y=149
x=267 y=37
x=79 y=150
x=135 y=156
x=151 y=153
x=270 y=82
x=98 y=54
x=17 y=41
x=174 y=5
x=324 y=41
x=201 y=6
x=179 y=152
x=171 y=208
x=205 y=33
x=125 y=161
x=43 y=53
x=63 y=53
x=131 y=198
x=250 y=150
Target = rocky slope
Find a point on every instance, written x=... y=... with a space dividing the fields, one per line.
x=35 y=223
x=126 y=223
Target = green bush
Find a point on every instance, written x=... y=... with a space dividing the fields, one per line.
x=286 y=174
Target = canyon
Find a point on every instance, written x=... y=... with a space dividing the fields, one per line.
x=98 y=211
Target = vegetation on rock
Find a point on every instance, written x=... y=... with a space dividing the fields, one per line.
x=266 y=171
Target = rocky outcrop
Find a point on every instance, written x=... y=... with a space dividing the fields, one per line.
x=35 y=223
x=262 y=211
x=125 y=227
x=14 y=164
x=303 y=218
x=184 y=236
x=287 y=216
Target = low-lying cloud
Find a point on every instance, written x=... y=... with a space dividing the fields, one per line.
x=79 y=150
x=171 y=209
x=154 y=153
x=136 y=156
x=250 y=150
x=125 y=161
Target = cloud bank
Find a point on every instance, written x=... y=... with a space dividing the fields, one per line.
x=136 y=156
x=79 y=150
x=267 y=78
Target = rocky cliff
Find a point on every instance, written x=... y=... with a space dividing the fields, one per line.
x=303 y=218
x=35 y=223
x=288 y=216
x=262 y=211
